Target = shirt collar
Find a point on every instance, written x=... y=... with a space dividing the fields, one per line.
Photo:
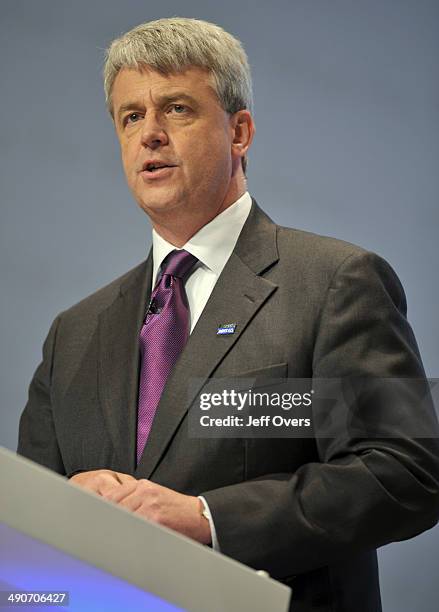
x=213 y=243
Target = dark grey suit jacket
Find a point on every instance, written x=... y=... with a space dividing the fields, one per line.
x=309 y=511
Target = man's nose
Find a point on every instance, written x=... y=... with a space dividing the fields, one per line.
x=153 y=134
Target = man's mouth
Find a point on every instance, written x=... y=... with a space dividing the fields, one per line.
x=153 y=166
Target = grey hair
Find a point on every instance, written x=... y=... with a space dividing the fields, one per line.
x=173 y=44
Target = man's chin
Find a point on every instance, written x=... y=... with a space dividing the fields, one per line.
x=159 y=207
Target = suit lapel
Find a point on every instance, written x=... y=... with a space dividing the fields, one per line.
x=238 y=295
x=119 y=328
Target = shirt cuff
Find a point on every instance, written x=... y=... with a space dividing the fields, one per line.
x=215 y=545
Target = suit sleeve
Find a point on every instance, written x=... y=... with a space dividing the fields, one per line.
x=37 y=437
x=363 y=492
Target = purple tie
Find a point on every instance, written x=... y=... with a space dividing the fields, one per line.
x=164 y=333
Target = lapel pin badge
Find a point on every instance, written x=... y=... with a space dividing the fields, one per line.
x=225 y=329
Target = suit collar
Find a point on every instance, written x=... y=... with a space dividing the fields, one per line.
x=257 y=244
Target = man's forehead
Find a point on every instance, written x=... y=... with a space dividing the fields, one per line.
x=149 y=83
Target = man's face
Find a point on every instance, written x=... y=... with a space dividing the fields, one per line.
x=176 y=124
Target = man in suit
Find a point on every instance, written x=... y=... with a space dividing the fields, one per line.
x=114 y=419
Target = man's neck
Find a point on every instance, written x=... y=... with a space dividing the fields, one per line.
x=179 y=235
x=178 y=231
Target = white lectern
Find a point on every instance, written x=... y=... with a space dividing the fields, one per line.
x=56 y=537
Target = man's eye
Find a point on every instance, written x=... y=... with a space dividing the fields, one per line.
x=178 y=108
x=132 y=118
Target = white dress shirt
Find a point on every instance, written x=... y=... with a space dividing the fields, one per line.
x=212 y=245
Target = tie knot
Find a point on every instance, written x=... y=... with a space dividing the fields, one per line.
x=179 y=263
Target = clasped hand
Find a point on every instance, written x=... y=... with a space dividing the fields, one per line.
x=147 y=499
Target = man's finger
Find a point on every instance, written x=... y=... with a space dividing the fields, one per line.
x=119 y=492
x=133 y=501
x=124 y=477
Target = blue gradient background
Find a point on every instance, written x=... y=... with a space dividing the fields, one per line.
x=347 y=145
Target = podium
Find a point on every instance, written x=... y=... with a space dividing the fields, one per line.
x=56 y=537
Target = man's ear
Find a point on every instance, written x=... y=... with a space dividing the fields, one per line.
x=243 y=132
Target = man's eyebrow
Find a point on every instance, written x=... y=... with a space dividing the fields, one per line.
x=178 y=95
x=161 y=100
